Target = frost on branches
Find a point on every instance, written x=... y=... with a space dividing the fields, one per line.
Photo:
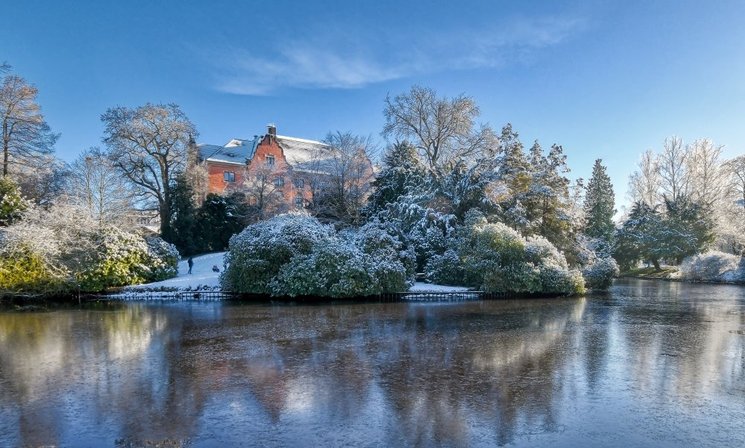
x=295 y=255
x=63 y=249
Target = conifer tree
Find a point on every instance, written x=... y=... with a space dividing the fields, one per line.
x=12 y=204
x=599 y=204
x=402 y=174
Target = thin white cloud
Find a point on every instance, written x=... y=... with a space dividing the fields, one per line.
x=327 y=62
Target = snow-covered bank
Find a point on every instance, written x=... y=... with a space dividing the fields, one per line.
x=201 y=278
x=429 y=287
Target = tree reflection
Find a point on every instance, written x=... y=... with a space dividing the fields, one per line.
x=478 y=373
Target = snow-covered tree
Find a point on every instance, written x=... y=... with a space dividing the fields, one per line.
x=60 y=249
x=443 y=130
x=264 y=187
x=12 y=204
x=25 y=133
x=402 y=174
x=97 y=186
x=673 y=163
x=707 y=175
x=644 y=184
x=345 y=180
x=599 y=204
x=148 y=144
x=640 y=237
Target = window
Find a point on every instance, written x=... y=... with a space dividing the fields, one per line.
x=228 y=176
x=299 y=183
x=299 y=202
x=270 y=160
x=279 y=182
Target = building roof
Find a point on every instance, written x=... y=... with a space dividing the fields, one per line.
x=236 y=151
x=304 y=155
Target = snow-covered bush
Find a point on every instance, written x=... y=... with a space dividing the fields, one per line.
x=62 y=249
x=496 y=258
x=124 y=258
x=713 y=266
x=427 y=232
x=594 y=258
x=296 y=255
x=23 y=271
x=445 y=269
x=384 y=241
x=257 y=254
x=332 y=269
x=600 y=273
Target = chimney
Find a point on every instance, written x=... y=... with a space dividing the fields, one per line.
x=271 y=129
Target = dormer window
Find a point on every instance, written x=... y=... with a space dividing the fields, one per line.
x=270 y=160
x=228 y=176
x=299 y=183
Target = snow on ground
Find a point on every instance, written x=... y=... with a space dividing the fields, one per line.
x=202 y=275
x=429 y=287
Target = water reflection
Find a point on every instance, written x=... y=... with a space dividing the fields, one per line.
x=563 y=371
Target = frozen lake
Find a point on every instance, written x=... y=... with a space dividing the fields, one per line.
x=647 y=364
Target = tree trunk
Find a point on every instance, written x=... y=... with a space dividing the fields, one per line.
x=656 y=263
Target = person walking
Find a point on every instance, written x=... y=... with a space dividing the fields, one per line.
x=190 y=262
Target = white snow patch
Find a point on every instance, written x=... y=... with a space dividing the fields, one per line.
x=202 y=276
x=430 y=287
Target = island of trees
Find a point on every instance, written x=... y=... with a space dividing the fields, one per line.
x=452 y=200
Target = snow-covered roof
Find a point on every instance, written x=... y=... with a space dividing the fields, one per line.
x=236 y=151
x=305 y=155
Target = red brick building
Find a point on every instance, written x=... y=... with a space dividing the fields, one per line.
x=275 y=172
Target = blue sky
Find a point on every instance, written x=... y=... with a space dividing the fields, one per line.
x=605 y=79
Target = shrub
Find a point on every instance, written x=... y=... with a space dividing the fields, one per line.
x=64 y=250
x=497 y=259
x=384 y=241
x=261 y=250
x=445 y=269
x=25 y=271
x=712 y=266
x=295 y=255
x=124 y=258
x=331 y=269
x=600 y=273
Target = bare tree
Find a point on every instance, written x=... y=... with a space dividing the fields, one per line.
x=735 y=169
x=26 y=136
x=707 y=176
x=96 y=185
x=149 y=146
x=673 y=164
x=442 y=129
x=644 y=183
x=264 y=186
x=343 y=176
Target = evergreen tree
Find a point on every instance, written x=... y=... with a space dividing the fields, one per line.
x=640 y=237
x=688 y=229
x=402 y=174
x=513 y=181
x=12 y=204
x=181 y=230
x=218 y=219
x=599 y=204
